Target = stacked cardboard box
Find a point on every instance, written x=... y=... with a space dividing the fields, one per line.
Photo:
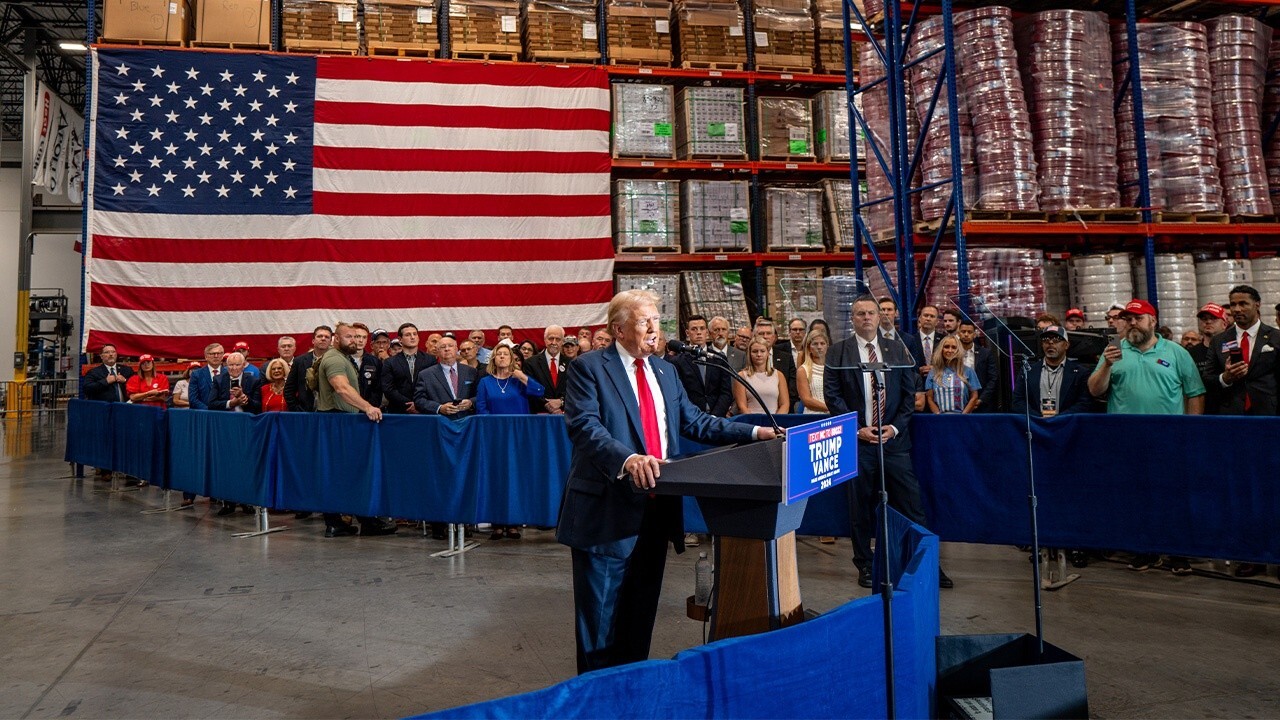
x=233 y=23
x=643 y=120
x=711 y=33
x=715 y=215
x=829 y=16
x=319 y=24
x=831 y=125
x=837 y=202
x=485 y=29
x=563 y=30
x=793 y=218
x=646 y=215
x=666 y=286
x=786 y=128
x=784 y=35
x=711 y=123
x=793 y=292
x=162 y=22
x=402 y=25
x=715 y=292
x=640 y=32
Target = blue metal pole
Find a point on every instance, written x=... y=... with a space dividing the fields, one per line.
x=1140 y=147
x=957 y=171
x=850 y=90
x=86 y=180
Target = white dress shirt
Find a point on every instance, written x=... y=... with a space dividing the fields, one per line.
x=629 y=363
x=868 y=406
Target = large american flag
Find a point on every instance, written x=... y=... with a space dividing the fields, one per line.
x=247 y=196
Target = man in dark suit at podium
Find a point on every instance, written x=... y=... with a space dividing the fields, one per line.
x=884 y=416
x=626 y=412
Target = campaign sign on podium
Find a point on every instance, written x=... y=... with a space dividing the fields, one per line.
x=820 y=455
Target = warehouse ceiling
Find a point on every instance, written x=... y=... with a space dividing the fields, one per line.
x=42 y=23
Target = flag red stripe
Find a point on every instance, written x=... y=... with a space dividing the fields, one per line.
x=188 y=251
x=464 y=73
x=338 y=298
x=423 y=205
x=188 y=347
x=343 y=158
x=458 y=116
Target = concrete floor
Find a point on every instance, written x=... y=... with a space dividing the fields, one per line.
x=107 y=613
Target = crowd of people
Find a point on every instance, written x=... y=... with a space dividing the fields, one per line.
x=1226 y=366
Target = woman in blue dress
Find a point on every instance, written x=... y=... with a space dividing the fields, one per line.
x=505 y=391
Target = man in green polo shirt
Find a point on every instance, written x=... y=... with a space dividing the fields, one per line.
x=1146 y=374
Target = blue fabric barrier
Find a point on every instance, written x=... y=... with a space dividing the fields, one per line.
x=87 y=444
x=828 y=667
x=224 y=455
x=140 y=441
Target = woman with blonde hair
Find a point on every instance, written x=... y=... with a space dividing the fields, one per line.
x=951 y=387
x=809 y=374
x=273 y=377
x=761 y=375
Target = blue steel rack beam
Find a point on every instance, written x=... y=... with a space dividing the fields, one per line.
x=1134 y=83
x=900 y=159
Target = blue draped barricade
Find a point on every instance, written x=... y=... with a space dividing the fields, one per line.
x=140 y=441
x=225 y=455
x=829 y=667
x=1140 y=483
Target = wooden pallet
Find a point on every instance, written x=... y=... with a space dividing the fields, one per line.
x=1005 y=216
x=563 y=56
x=483 y=51
x=1248 y=219
x=649 y=249
x=638 y=62
x=230 y=45
x=323 y=47
x=729 y=157
x=142 y=43
x=1164 y=216
x=789 y=158
x=795 y=249
x=630 y=156
x=1094 y=215
x=797 y=69
x=696 y=63
x=395 y=49
x=717 y=249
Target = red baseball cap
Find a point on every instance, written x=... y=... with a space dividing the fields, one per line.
x=1139 y=307
x=145 y=358
x=195 y=364
x=242 y=345
x=1075 y=312
x=1213 y=309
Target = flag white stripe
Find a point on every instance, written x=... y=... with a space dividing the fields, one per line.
x=427 y=93
x=267 y=322
x=278 y=275
x=472 y=139
x=459 y=183
x=286 y=227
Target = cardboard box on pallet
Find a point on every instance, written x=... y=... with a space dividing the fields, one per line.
x=712 y=123
x=640 y=32
x=715 y=215
x=831 y=125
x=643 y=121
x=407 y=24
x=666 y=286
x=711 y=31
x=159 y=21
x=793 y=218
x=794 y=292
x=560 y=30
x=784 y=34
x=715 y=292
x=646 y=215
x=318 y=24
x=786 y=128
x=233 y=22
x=485 y=26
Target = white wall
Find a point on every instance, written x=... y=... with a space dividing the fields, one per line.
x=56 y=264
x=10 y=212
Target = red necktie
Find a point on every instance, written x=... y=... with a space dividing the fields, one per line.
x=648 y=413
x=555 y=371
x=1244 y=351
x=453 y=380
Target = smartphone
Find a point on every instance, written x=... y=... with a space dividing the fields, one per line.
x=1114 y=341
x=1235 y=355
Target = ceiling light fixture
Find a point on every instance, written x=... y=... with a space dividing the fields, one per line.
x=72 y=46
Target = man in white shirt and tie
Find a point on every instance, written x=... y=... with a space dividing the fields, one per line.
x=447 y=388
x=548 y=368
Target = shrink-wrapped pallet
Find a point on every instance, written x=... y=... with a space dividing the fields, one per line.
x=643 y=121
x=935 y=162
x=715 y=215
x=711 y=123
x=481 y=27
x=1176 y=284
x=639 y=32
x=879 y=217
x=560 y=30
x=711 y=33
x=829 y=20
x=793 y=292
x=784 y=35
x=1099 y=282
x=714 y=292
x=1009 y=282
x=1238 y=49
x=666 y=286
x=785 y=128
x=831 y=126
x=793 y=218
x=319 y=24
x=1216 y=276
x=646 y=215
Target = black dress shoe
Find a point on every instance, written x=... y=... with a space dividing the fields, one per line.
x=1078 y=558
x=226 y=510
x=1248 y=570
x=944 y=582
x=864 y=574
x=247 y=509
x=343 y=531
x=373 y=530
x=301 y=515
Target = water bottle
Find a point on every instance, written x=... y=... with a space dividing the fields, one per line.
x=702 y=580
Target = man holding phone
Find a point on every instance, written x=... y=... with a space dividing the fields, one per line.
x=1242 y=358
x=1144 y=373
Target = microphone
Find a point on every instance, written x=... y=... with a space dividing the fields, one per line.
x=683 y=347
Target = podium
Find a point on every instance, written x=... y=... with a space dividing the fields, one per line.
x=739 y=490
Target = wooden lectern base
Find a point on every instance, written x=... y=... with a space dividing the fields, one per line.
x=749 y=575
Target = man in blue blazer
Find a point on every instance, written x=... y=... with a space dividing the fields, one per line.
x=200 y=390
x=626 y=411
x=1055 y=385
x=847 y=389
x=447 y=388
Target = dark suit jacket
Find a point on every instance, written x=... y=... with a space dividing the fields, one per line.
x=987 y=367
x=716 y=394
x=783 y=361
x=397 y=383
x=432 y=390
x=842 y=389
x=297 y=396
x=1260 y=383
x=96 y=386
x=200 y=389
x=1073 y=394
x=599 y=511
x=369 y=375
x=251 y=385
x=912 y=342
x=537 y=368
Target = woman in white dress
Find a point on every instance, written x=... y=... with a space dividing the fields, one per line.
x=809 y=374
